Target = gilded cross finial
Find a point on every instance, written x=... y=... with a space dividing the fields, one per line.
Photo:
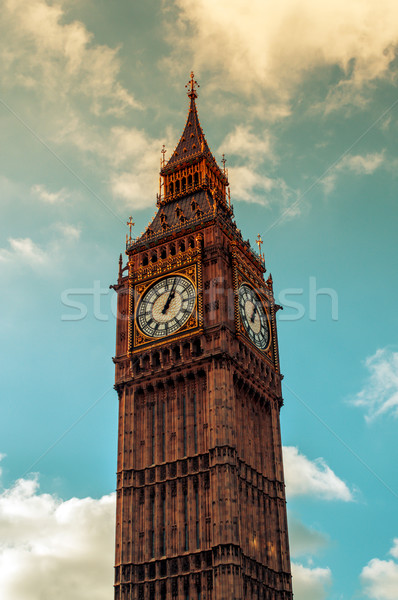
x=163 y=151
x=259 y=243
x=224 y=160
x=191 y=87
x=130 y=224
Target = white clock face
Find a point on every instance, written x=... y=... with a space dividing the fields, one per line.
x=166 y=306
x=253 y=316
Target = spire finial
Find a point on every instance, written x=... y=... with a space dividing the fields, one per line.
x=191 y=87
x=163 y=151
x=224 y=160
x=129 y=224
x=259 y=243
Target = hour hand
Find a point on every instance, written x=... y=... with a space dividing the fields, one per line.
x=253 y=313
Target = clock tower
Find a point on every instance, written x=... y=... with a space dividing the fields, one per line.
x=201 y=511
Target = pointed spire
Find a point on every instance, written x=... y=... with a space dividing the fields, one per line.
x=192 y=143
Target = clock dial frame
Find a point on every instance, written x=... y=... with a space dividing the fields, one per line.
x=166 y=306
x=253 y=317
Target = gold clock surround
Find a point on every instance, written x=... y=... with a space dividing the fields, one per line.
x=142 y=341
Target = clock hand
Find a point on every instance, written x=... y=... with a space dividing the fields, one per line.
x=253 y=313
x=169 y=299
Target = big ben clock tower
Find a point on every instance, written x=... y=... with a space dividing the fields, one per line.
x=201 y=512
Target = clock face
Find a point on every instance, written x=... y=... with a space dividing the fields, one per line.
x=253 y=316
x=166 y=306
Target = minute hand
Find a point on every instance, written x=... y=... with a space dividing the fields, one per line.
x=254 y=313
x=170 y=298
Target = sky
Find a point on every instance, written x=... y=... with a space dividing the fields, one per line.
x=302 y=98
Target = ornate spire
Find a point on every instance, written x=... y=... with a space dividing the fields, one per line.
x=192 y=144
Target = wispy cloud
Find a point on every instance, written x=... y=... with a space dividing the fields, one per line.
x=43 y=194
x=313 y=478
x=356 y=164
x=42 y=52
x=252 y=155
x=305 y=541
x=25 y=252
x=379 y=395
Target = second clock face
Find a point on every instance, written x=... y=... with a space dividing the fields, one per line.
x=253 y=316
x=166 y=306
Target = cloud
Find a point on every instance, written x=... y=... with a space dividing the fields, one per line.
x=379 y=395
x=275 y=45
x=314 y=478
x=379 y=578
x=305 y=540
x=247 y=177
x=310 y=583
x=358 y=164
x=41 y=192
x=135 y=159
x=50 y=548
x=68 y=232
x=43 y=53
x=24 y=252
x=243 y=142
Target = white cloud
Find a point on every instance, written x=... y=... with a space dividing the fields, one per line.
x=310 y=583
x=379 y=578
x=135 y=159
x=41 y=192
x=51 y=548
x=315 y=478
x=243 y=142
x=247 y=173
x=24 y=250
x=362 y=165
x=43 y=53
x=358 y=164
x=128 y=155
x=275 y=45
x=250 y=186
x=379 y=395
x=394 y=549
x=68 y=232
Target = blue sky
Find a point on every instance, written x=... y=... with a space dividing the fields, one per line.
x=302 y=98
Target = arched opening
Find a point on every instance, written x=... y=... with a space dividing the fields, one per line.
x=172 y=249
x=176 y=353
x=189 y=180
x=156 y=359
x=191 y=242
x=183 y=183
x=154 y=257
x=171 y=188
x=196 y=349
x=163 y=253
x=145 y=259
x=177 y=186
x=182 y=246
x=196 y=178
